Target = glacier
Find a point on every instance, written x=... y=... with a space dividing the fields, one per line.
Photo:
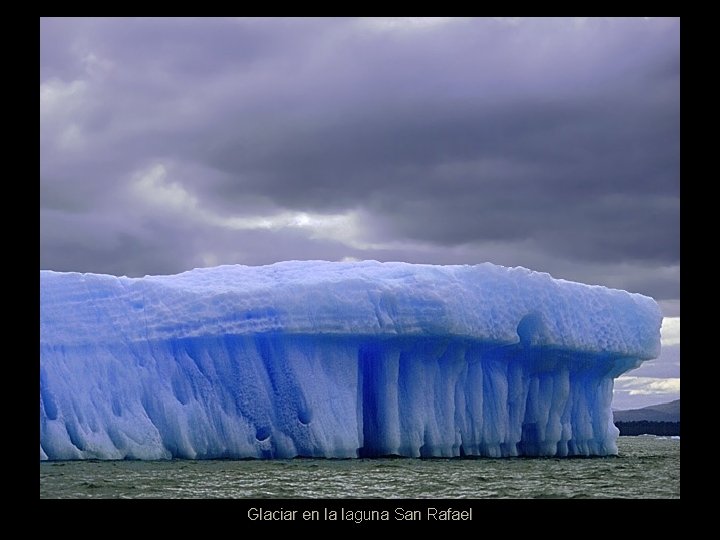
x=335 y=360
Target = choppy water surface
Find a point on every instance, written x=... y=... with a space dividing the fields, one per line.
x=647 y=467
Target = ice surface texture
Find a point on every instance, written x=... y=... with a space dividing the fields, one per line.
x=334 y=360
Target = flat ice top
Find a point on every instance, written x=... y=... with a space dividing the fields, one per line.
x=486 y=302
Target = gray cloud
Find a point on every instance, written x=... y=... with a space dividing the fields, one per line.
x=173 y=143
x=667 y=365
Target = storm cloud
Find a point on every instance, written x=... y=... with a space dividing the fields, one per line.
x=168 y=144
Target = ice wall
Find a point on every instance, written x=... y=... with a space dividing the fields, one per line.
x=334 y=360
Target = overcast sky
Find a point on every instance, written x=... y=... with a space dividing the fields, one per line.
x=169 y=144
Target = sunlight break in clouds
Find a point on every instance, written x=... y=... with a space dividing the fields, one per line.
x=153 y=187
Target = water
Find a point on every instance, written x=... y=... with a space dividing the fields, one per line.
x=647 y=467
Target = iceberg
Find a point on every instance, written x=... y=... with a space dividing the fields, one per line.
x=335 y=360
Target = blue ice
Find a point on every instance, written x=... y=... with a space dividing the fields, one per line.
x=334 y=360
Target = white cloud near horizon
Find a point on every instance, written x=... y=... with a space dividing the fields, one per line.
x=670 y=331
x=642 y=386
x=655 y=381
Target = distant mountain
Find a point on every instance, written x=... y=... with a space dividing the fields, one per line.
x=665 y=412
